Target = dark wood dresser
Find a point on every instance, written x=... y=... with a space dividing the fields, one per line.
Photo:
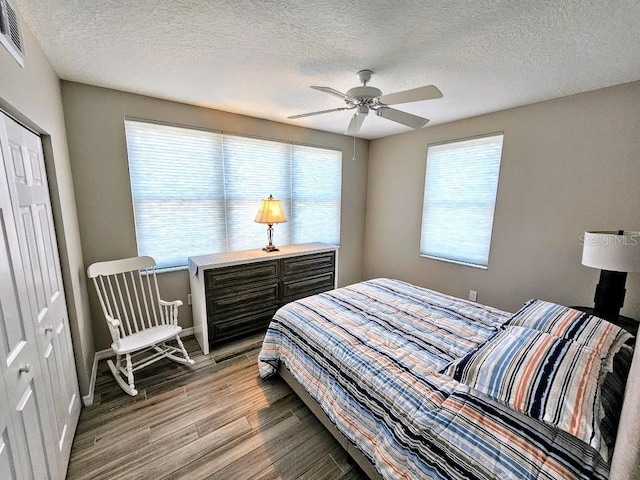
x=237 y=293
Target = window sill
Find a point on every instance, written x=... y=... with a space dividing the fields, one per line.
x=456 y=262
x=172 y=269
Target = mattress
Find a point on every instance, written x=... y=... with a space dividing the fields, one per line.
x=372 y=355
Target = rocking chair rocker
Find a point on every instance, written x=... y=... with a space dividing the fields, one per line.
x=139 y=321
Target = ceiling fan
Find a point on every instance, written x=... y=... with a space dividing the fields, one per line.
x=365 y=98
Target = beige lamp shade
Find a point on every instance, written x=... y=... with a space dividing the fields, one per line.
x=270 y=212
x=613 y=251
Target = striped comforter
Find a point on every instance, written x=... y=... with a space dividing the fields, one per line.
x=370 y=355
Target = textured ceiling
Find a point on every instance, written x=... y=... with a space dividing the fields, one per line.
x=258 y=58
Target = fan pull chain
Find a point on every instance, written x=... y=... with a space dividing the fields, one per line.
x=354 y=149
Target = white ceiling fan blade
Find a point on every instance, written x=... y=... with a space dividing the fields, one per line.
x=332 y=91
x=404 y=118
x=319 y=112
x=414 y=95
x=355 y=124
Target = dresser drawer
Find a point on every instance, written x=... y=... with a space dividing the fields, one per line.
x=235 y=275
x=303 y=287
x=240 y=300
x=306 y=265
x=239 y=326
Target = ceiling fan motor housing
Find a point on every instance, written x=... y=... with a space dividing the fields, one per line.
x=362 y=92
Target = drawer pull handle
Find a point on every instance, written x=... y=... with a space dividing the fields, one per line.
x=25 y=368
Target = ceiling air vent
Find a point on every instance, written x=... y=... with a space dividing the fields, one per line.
x=10 y=35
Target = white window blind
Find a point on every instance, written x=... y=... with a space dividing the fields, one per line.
x=178 y=195
x=254 y=169
x=461 y=184
x=197 y=192
x=315 y=197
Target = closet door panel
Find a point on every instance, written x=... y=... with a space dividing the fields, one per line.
x=36 y=237
x=29 y=423
x=31 y=262
x=69 y=383
x=8 y=467
x=25 y=429
x=26 y=451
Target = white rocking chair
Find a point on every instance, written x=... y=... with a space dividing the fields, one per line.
x=139 y=321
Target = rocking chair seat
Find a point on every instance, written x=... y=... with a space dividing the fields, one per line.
x=146 y=338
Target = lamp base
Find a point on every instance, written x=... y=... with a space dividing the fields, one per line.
x=270 y=246
x=610 y=294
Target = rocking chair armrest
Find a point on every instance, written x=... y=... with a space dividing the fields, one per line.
x=114 y=323
x=114 y=328
x=176 y=303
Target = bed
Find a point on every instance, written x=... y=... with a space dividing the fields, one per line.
x=407 y=380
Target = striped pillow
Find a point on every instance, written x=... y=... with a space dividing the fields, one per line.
x=545 y=377
x=592 y=332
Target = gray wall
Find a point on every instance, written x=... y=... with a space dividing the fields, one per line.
x=95 y=125
x=32 y=95
x=568 y=165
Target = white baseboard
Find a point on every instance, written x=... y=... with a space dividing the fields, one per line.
x=87 y=400
x=100 y=355
x=187 y=332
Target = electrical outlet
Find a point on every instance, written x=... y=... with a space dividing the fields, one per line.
x=189 y=299
x=473 y=295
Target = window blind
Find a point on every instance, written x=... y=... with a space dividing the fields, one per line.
x=178 y=195
x=316 y=195
x=461 y=183
x=196 y=192
x=254 y=169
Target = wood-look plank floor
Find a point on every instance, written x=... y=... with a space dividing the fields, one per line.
x=216 y=419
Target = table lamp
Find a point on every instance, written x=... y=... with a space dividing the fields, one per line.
x=615 y=253
x=270 y=212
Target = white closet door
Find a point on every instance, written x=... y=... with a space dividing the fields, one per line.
x=10 y=465
x=29 y=194
x=27 y=451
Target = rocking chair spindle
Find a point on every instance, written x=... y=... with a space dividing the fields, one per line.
x=139 y=321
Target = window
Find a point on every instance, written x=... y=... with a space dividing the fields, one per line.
x=197 y=192
x=461 y=184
